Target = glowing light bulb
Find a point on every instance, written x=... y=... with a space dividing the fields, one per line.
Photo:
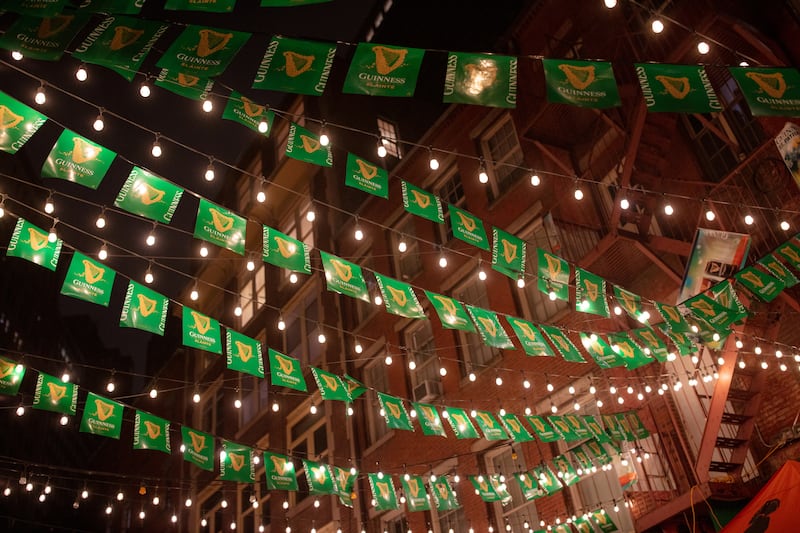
x=148 y=277
x=357 y=347
x=109 y=509
x=526 y=384
x=388 y=360
x=482 y=274
x=98 y=123
x=784 y=225
x=535 y=180
x=237 y=310
x=624 y=203
x=293 y=278
x=237 y=403
x=578 y=194
x=151 y=239
x=382 y=150
x=472 y=377
x=552 y=296
x=100 y=222
x=275 y=407
x=433 y=163
x=196 y=397
x=281 y=324
x=483 y=177
x=710 y=215
x=251 y=265
x=16 y=56
x=442 y=371
x=321 y=338
x=703 y=47
x=261 y=197
x=64 y=420
x=111 y=386
x=208 y=106
x=324 y=140
x=442 y=261
x=358 y=234
x=313 y=409
x=498 y=381
x=657 y=26
x=521 y=283
x=156 y=500
x=49 y=206
x=203 y=251
x=209 y=174
x=154 y=393
x=748 y=219
x=40 y=98
x=311 y=216
x=144 y=90
x=194 y=295
x=668 y=210
x=610 y=4
x=263 y=127
x=156 y=149
x=103 y=253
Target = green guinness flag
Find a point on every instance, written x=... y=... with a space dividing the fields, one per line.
x=542 y=428
x=202 y=51
x=415 y=493
x=594 y=427
x=198 y=448
x=422 y=203
x=764 y=286
x=515 y=428
x=672 y=317
x=481 y=79
x=563 y=344
x=548 y=481
x=345 y=480
x=490 y=329
x=354 y=387
x=42 y=38
x=150 y=432
x=147 y=195
x=468 y=228
x=484 y=488
x=684 y=345
x=491 y=428
x=429 y=420
x=508 y=254
x=88 y=280
x=637 y=426
x=319 y=477
x=581 y=456
x=460 y=423
x=709 y=310
x=18 y=123
x=603 y=521
x=243 y=110
x=451 y=313
x=553 y=275
x=285 y=371
x=184 y=84
x=102 y=416
x=236 y=463
x=11 y=374
x=399 y=297
x=344 y=277
x=121 y=44
x=366 y=176
x=381 y=70
x=529 y=486
x=628 y=350
x=280 y=472
x=244 y=354
x=295 y=66
x=770 y=91
x=305 y=146
x=530 y=337
x=217 y=225
x=284 y=251
x=724 y=294
x=677 y=88
x=581 y=83
x=652 y=342
x=201 y=331
x=596 y=448
x=395 y=412
x=600 y=351
x=774 y=266
x=565 y=470
x=331 y=386
x=582 y=525
x=55 y=395
x=629 y=302
x=590 y=293
x=121 y=7
x=443 y=496
x=625 y=427
x=77 y=159
x=32 y=243
x=144 y=309
x=568 y=433
x=37 y=8
x=383 y=492
x=210 y=6
x=790 y=252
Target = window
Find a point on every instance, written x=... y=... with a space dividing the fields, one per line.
x=539 y=306
x=211 y=509
x=502 y=153
x=450 y=191
x=476 y=353
x=389 y=136
x=518 y=511
x=407 y=264
x=396 y=525
x=307 y=436
x=375 y=378
x=301 y=336
x=255 y=503
x=253 y=393
x=213 y=410
x=252 y=292
x=455 y=520
x=425 y=379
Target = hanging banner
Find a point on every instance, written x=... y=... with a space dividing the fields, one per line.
x=481 y=79
x=443 y=496
x=11 y=374
x=547 y=479
x=770 y=91
x=763 y=286
x=320 y=480
x=55 y=395
x=530 y=337
x=684 y=345
x=596 y=430
x=625 y=427
x=345 y=481
x=120 y=7
x=399 y=297
x=354 y=387
x=88 y=280
x=305 y=146
x=672 y=317
x=468 y=228
x=774 y=266
x=597 y=449
x=790 y=252
x=590 y=293
x=144 y=309
x=121 y=44
x=582 y=525
x=652 y=342
x=451 y=313
x=416 y=496
x=198 y=448
x=37 y=8
x=383 y=492
x=562 y=426
x=508 y=254
x=236 y=463
x=788 y=144
x=628 y=350
x=603 y=521
x=724 y=294
x=562 y=343
x=490 y=329
x=637 y=426
x=484 y=488
x=422 y=203
x=18 y=123
x=304 y=69
x=32 y=243
x=244 y=354
x=710 y=311
x=77 y=159
x=429 y=420
x=150 y=432
x=184 y=84
x=381 y=70
x=201 y=331
x=629 y=302
x=553 y=275
x=330 y=385
x=515 y=429
x=581 y=83
x=677 y=88
x=243 y=110
x=581 y=456
x=395 y=412
x=285 y=371
x=460 y=423
x=366 y=176
x=544 y=431
x=600 y=351
x=284 y=251
x=102 y=416
x=217 y=225
x=147 y=195
x=567 y=471
x=203 y=51
x=40 y=38
x=344 y=277
x=280 y=472
x=491 y=428
x=209 y=6
x=716 y=255
x=529 y=486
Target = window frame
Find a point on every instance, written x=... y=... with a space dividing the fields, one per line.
x=405 y=228
x=501 y=183
x=252 y=293
x=297 y=416
x=468 y=341
x=294 y=312
x=501 y=514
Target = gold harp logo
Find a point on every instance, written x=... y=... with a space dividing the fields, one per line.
x=211 y=42
x=526 y=329
x=650 y=337
x=773 y=83
x=366 y=170
x=310 y=144
x=626 y=350
x=149 y=194
x=282 y=466
x=483 y=485
x=319 y=474
x=237 y=460
x=286 y=364
x=38 y=240
x=251 y=108
x=480 y=76
x=383 y=489
x=344 y=478
x=601 y=517
x=538 y=424
x=153 y=430
x=461 y=421
x=243 y=351
x=509 y=250
x=448 y=305
x=147 y=306
x=6 y=369
x=413 y=487
x=672 y=313
x=297 y=64
x=724 y=298
x=345 y=272
x=422 y=200
x=9 y=119
x=91 y=272
x=201 y=322
x=592 y=289
x=562 y=426
x=398 y=296
x=285 y=248
x=553 y=266
x=330 y=381
x=788 y=251
x=187 y=80
x=393 y=409
x=562 y=342
x=526 y=480
x=629 y=301
x=388 y=59
x=580 y=77
x=103 y=410
x=57 y=392
x=221 y=222
x=124 y=36
x=573 y=421
x=427 y=412
x=443 y=490
x=703 y=307
x=583 y=527
x=753 y=279
x=514 y=425
x=466 y=221
x=83 y=151
x=677 y=88
x=595 y=448
x=486 y=419
x=489 y=325
x=53 y=25
x=198 y=441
